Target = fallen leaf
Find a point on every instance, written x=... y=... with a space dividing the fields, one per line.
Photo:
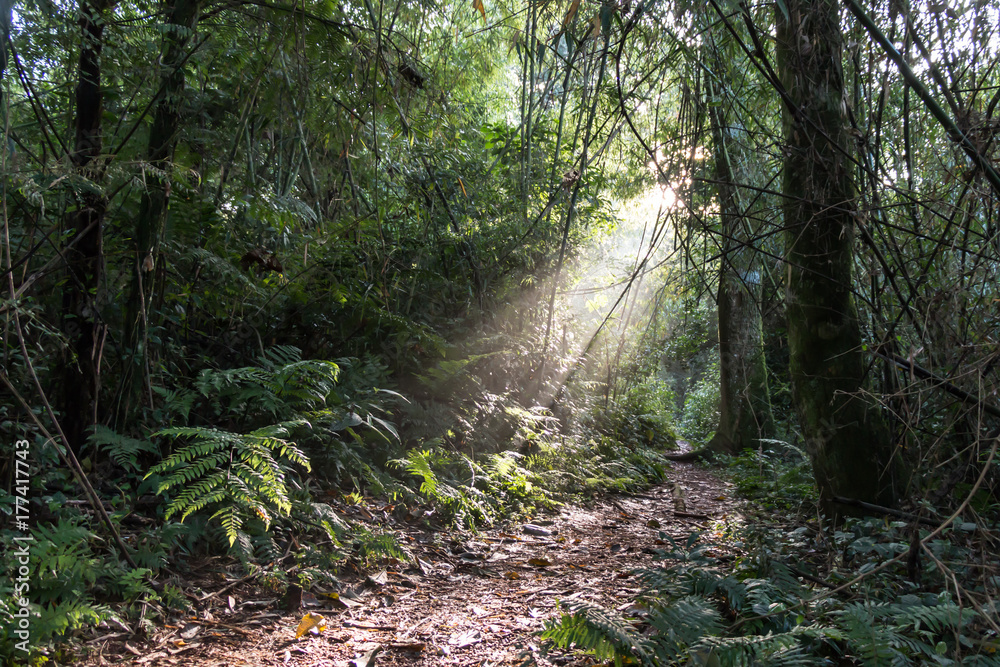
x=539 y=562
x=190 y=630
x=308 y=622
x=408 y=646
x=538 y=531
x=463 y=639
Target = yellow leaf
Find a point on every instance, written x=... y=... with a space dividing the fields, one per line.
x=595 y=27
x=478 y=4
x=308 y=622
x=571 y=13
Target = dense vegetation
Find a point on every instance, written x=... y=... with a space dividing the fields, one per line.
x=259 y=255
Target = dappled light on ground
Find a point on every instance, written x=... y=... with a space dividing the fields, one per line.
x=463 y=599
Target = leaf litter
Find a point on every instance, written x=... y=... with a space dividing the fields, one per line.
x=477 y=601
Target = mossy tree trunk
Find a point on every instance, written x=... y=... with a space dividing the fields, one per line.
x=745 y=406
x=847 y=439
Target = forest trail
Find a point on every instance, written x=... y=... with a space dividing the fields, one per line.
x=467 y=599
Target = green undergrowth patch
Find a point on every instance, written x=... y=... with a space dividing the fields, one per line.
x=776 y=476
x=772 y=586
x=280 y=467
x=477 y=492
x=753 y=598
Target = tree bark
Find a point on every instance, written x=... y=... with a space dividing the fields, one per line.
x=80 y=369
x=847 y=439
x=745 y=405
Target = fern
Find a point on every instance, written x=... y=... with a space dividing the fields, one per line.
x=595 y=630
x=371 y=545
x=417 y=463
x=684 y=623
x=244 y=473
x=123 y=450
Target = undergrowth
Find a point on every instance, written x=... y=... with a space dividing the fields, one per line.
x=777 y=589
x=710 y=606
x=251 y=461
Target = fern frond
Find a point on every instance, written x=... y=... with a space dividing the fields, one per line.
x=124 y=451
x=596 y=630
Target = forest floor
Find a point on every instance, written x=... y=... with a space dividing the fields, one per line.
x=466 y=599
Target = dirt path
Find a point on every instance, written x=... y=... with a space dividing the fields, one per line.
x=467 y=601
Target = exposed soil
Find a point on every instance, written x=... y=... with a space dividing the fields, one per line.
x=467 y=600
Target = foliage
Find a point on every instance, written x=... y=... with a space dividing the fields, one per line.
x=470 y=493
x=643 y=416
x=242 y=254
x=700 y=415
x=244 y=473
x=249 y=474
x=67 y=568
x=776 y=476
x=761 y=613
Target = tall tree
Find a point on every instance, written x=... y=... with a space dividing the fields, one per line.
x=182 y=17
x=81 y=371
x=744 y=401
x=847 y=439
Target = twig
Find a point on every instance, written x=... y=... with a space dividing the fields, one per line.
x=853 y=502
x=924 y=374
x=226 y=588
x=809 y=577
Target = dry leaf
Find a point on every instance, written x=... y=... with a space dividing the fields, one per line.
x=368 y=659
x=539 y=562
x=595 y=27
x=571 y=13
x=190 y=630
x=308 y=622
x=463 y=639
x=408 y=646
x=478 y=4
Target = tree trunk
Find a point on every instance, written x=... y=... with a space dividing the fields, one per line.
x=80 y=368
x=847 y=440
x=182 y=19
x=745 y=406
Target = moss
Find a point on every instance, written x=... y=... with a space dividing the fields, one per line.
x=847 y=439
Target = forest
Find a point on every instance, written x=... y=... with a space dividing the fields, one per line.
x=312 y=310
